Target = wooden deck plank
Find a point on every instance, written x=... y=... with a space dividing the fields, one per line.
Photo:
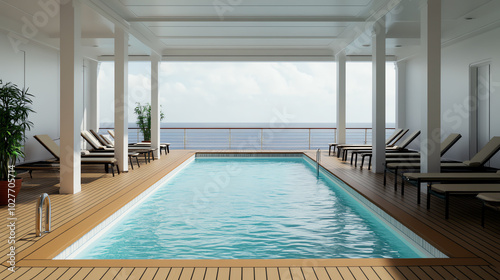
x=235 y=273
x=382 y=272
x=467 y=272
x=68 y=274
x=260 y=273
x=421 y=274
x=162 y=273
x=150 y=273
x=124 y=273
x=321 y=273
x=272 y=273
x=211 y=273
x=97 y=273
x=248 y=273
x=482 y=273
x=82 y=273
x=137 y=273
x=29 y=274
x=186 y=273
x=44 y=274
x=284 y=273
x=369 y=272
x=456 y=273
x=57 y=273
x=432 y=273
x=443 y=272
x=333 y=272
x=296 y=273
x=111 y=273
x=395 y=273
x=358 y=273
x=175 y=273
x=223 y=273
x=345 y=273
x=309 y=273
x=199 y=273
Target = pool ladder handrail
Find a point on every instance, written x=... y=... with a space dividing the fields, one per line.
x=44 y=199
x=318 y=158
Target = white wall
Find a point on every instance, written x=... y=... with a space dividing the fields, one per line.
x=456 y=60
x=42 y=79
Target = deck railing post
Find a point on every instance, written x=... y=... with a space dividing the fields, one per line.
x=184 y=138
x=366 y=135
x=309 y=138
x=261 y=137
x=229 y=139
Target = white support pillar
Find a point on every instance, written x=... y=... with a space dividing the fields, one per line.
x=121 y=98
x=431 y=98
x=378 y=96
x=155 y=105
x=71 y=84
x=400 y=94
x=94 y=96
x=341 y=99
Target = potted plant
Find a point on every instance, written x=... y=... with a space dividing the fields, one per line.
x=143 y=113
x=15 y=106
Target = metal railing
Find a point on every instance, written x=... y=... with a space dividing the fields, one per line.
x=240 y=138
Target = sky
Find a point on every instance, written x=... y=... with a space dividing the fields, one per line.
x=248 y=92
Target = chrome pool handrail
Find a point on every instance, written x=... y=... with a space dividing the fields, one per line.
x=39 y=213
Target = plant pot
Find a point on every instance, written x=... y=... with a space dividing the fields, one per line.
x=4 y=191
x=146 y=141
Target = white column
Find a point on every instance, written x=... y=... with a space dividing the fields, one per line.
x=94 y=96
x=400 y=94
x=155 y=105
x=121 y=98
x=431 y=97
x=71 y=84
x=341 y=100
x=378 y=96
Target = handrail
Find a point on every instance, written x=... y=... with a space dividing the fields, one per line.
x=318 y=158
x=284 y=128
x=39 y=213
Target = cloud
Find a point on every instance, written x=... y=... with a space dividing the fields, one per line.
x=243 y=91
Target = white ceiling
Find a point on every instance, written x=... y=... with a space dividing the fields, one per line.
x=248 y=29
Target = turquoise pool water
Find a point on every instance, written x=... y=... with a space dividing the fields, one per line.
x=248 y=208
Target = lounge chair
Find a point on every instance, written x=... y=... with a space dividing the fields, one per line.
x=164 y=146
x=394 y=149
x=462 y=177
x=413 y=157
x=475 y=164
x=491 y=201
x=54 y=149
x=391 y=141
x=446 y=190
x=99 y=148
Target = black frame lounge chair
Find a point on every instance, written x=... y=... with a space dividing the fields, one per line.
x=393 y=149
x=390 y=142
x=164 y=146
x=99 y=148
x=54 y=149
x=454 y=177
x=446 y=145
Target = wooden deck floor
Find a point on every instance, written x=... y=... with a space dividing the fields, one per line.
x=71 y=212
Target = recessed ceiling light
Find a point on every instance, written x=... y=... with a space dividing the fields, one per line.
x=366 y=45
x=95 y=46
x=398 y=46
x=469 y=18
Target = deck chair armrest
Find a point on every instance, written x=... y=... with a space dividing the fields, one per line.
x=472 y=163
